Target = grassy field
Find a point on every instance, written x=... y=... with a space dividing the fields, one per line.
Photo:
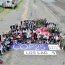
x=1 y=9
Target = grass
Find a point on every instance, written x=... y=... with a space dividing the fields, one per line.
x=6 y=11
x=1 y=9
x=20 y=4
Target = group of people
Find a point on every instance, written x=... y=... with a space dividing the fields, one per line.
x=28 y=33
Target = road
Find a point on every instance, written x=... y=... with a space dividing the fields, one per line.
x=54 y=11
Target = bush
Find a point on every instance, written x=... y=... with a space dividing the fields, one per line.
x=41 y=23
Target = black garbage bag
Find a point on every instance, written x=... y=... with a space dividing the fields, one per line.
x=8 y=47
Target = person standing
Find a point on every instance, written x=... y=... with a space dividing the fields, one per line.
x=1 y=48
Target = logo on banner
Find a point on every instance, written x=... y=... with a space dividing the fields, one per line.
x=54 y=47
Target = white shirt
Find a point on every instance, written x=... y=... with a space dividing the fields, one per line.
x=1 y=47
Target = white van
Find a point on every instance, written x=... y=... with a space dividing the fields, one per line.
x=10 y=3
x=1 y=1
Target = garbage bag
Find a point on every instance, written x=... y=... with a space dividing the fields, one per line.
x=1 y=61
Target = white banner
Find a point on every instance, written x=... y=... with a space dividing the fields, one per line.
x=54 y=47
x=33 y=52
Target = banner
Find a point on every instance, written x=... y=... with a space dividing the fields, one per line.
x=35 y=47
x=32 y=52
